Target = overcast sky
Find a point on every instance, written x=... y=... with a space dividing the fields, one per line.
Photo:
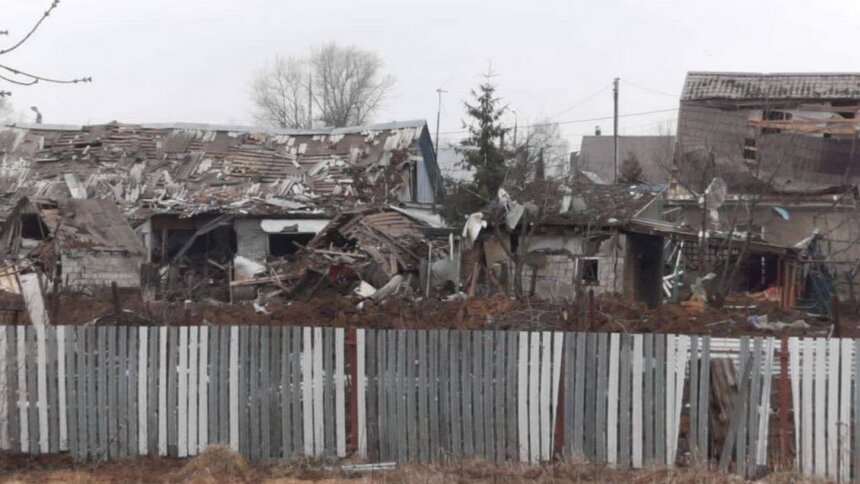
x=191 y=61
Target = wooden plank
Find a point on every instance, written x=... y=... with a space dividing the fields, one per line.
x=233 y=375
x=476 y=386
x=182 y=393
x=636 y=403
x=62 y=390
x=580 y=397
x=52 y=354
x=659 y=416
x=34 y=439
x=297 y=413
x=21 y=405
x=93 y=401
x=214 y=381
x=328 y=393
x=172 y=406
x=648 y=399
x=523 y=415
x=225 y=341
x=856 y=422
x=833 y=409
x=590 y=412
x=340 y=393
x=401 y=429
x=753 y=410
x=441 y=374
x=486 y=379
x=307 y=391
x=122 y=402
x=254 y=390
x=112 y=362
x=10 y=385
x=163 y=383
x=808 y=375
x=4 y=397
x=286 y=390
x=318 y=416
x=794 y=372
x=534 y=398
x=244 y=392
x=433 y=420
x=511 y=392
x=624 y=417
x=86 y=392
x=704 y=398
x=264 y=394
x=555 y=385
x=277 y=353
x=669 y=398
x=602 y=380
x=680 y=378
x=152 y=391
x=500 y=416
x=569 y=394
x=102 y=365
x=142 y=376
x=455 y=401
x=692 y=433
x=741 y=434
x=361 y=389
x=545 y=393
x=845 y=410
x=820 y=393
x=392 y=446
x=612 y=401
x=765 y=410
x=71 y=386
x=202 y=389
x=377 y=339
x=134 y=376
x=422 y=417
x=466 y=394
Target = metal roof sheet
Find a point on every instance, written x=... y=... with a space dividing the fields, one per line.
x=700 y=86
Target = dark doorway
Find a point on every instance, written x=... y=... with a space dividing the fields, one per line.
x=644 y=268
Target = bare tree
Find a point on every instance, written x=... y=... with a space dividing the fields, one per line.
x=348 y=84
x=281 y=94
x=18 y=77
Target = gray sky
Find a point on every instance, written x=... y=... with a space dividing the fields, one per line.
x=166 y=61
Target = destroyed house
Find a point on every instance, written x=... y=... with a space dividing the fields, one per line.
x=641 y=159
x=73 y=243
x=201 y=195
x=785 y=146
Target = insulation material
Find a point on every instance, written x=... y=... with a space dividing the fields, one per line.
x=276 y=226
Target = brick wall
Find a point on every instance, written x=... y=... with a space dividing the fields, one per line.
x=81 y=269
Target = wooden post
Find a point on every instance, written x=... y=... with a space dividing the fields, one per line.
x=558 y=431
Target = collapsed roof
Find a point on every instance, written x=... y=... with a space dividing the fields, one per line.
x=188 y=169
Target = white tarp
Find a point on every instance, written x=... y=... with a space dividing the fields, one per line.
x=276 y=226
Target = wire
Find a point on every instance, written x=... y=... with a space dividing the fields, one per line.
x=574 y=121
x=580 y=102
x=655 y=91
x=32 y=30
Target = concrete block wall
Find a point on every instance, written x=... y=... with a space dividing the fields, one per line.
x=251 y=241
x=82 y=269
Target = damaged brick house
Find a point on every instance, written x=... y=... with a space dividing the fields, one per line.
x=206 y=198
x=786 y=147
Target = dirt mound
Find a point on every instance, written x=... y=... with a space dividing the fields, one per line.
x=216 y=464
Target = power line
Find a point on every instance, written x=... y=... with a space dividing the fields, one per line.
x=655 y=91
x=574 y=121
x=580 y=102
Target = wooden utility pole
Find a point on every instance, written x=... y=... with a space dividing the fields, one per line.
x=615 y=123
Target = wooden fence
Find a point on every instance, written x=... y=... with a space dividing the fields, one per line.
x=407 y=395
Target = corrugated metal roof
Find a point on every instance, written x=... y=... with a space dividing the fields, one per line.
x=700 y=86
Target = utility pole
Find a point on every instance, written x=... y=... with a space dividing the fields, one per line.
x=310 y=103
x=438 y=117
x=615 y=123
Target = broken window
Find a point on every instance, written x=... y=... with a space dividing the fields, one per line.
x=750 y=149
x=32 y=227
x=775 y=116
x=589 y=272
x=288 y=244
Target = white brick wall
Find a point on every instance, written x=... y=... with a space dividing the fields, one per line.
x=84 y=268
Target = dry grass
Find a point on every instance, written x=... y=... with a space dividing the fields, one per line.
x=220 y=464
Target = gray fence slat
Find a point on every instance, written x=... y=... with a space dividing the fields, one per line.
x=93 y=409
x=741 y=436
x=328 y=389
x=752 y=406
x=488 y=395
x=423 y=434
x=466 y=394
x=602 y=386
x=855 y=458
x=478 y=394
x=511 y=359
x=624 y=406
x=152 y=391
x=120 y=438
x=275 y=401
x=109 y=366
x=371 y=369
x=32 y=393
x=648 y=399
x=172 y=392
x=244 y=391
x=265 y=393
x=216 y=379
x=52 y=375
x=12 y=382
x=401 y=430
x=692 y=434
x=660 y=399
x=433 y=392
x=704 y=398
x=135 y=373
x=254 y=393
x=286 y=393
x=411 y=397
x=383 y=388
x=569 y=351
x=455 y=398
x=297 y=412
x=388 y=401
x=577 y=445
x=71 y=390
x=499 y=414
x=590 y=435
x=443 y=376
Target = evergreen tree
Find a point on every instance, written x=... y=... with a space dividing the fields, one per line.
x=483 y=152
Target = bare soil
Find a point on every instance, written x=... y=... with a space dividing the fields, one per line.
x=219 y=464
